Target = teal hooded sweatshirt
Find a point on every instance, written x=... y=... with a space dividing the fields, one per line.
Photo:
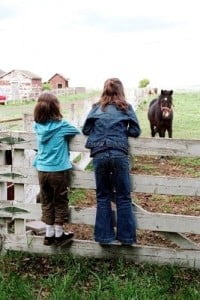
x=52 y=145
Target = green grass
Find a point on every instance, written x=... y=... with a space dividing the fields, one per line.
x=190 y=165
x=185 y=166
x=186 y=116
x=76 y=196
x=16 y=110
x=25 y=276
x=185 y=124
x=30 y=277
x=187 y=161
x=80 y=96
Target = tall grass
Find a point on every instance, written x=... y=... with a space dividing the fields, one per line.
x=25 y=276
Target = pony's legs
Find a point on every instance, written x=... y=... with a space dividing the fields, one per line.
x=153 y=132
x=161 y=133
x=170 y=132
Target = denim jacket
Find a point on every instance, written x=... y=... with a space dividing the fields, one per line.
x=110 y=129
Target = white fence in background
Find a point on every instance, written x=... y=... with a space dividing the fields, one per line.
x=20 y=94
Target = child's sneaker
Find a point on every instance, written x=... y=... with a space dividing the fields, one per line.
x=48 y=241
x=65 y=238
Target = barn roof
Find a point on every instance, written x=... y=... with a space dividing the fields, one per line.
x=28 y=74
x=2 y=72
x=66 y=79
x=31 y=75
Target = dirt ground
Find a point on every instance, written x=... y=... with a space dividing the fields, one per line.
x=184 y=205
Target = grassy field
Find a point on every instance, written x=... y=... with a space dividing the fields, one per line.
x=186 y=123
x=186 y=113
x=16 y=110
x=32 y=277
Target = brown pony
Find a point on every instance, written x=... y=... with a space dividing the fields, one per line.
x=160 y=114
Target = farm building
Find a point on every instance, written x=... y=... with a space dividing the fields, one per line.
x=19 y=84
x=58 y=81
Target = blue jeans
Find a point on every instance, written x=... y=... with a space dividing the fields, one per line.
x=112 y=174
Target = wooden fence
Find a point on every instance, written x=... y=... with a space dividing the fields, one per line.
x=20 y=95
x=14 y=215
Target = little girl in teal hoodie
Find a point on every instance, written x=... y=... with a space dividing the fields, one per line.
x=53 y=165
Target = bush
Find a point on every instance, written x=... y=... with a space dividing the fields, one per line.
x=46 y=86
x=143 y=83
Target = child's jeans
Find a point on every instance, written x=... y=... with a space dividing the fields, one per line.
x=112 y=171
x=53 y=196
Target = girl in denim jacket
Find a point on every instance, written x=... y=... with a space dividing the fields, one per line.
x=108 y=125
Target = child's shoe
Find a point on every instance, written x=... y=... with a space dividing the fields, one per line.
x=65 y=238
x=48 y=241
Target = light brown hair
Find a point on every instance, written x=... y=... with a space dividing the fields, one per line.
x=47 y=108
x=113 y=93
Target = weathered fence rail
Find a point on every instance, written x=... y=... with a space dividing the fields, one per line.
x=174 y=227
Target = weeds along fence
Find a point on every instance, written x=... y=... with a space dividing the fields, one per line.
x=15 y=214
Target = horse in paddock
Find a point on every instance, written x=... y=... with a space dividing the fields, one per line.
x=160 y=114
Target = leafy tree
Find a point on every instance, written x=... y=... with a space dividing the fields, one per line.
x=143 y=83
x=46 y=86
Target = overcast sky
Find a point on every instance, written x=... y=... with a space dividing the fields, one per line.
x=89 y=41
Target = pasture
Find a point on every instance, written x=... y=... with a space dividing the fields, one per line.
x=27 y=276
x=186 y=116
x=186 y=113
x=15 y=110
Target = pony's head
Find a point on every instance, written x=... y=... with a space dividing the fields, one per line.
x=165 y=102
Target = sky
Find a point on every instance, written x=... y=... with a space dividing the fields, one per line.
x=89 y=41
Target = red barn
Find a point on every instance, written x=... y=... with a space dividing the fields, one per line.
x=58 y=81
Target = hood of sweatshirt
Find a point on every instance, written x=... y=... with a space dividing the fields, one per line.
x=46 y=130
